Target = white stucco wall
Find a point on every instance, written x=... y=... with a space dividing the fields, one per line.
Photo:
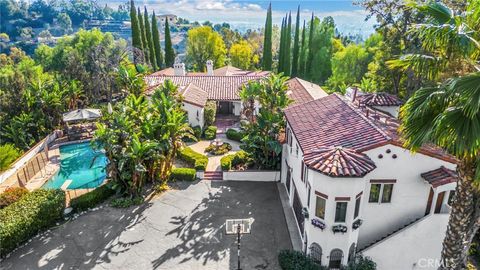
x=192 y=110
x=410 y=192
x=408 y=203
x=254 y=176
x=416 y=247
x=237 y=108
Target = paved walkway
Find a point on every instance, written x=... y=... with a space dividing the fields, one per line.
x=182 y=229
x=214 y=161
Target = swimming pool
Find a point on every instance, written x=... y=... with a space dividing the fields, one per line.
x=81 y=164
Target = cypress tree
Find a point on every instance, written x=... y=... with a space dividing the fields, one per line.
x=156 y=42
x=142 y=35
x=303 y=53
x=169 y=52
x=148 y=34
x=308 y=68
x=267 y=41
x=288 y=44
x=136 y=39
x=281 y=49
x=296 y=45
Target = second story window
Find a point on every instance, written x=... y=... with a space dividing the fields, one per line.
x=320 y=207
x=341 y=211
x=357 y=207
x=381 y=191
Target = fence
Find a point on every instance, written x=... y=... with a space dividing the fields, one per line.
x=30 y=163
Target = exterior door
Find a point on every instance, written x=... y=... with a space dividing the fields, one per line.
x=224 y=107
x=429 y=202
x=438 y=205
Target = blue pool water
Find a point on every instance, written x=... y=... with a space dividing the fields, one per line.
x=81 y=164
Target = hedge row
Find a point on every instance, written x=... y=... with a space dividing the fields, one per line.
x=183 y=174
x=31 y=214
x=11 y=195
x=210 y=132
x=92 y=198
x=197 y=160
x=235 y=135
x=296 y=260
x=233 y=160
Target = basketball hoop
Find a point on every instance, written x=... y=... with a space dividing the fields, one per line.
x=239 y=227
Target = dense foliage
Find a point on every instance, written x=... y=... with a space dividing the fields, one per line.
x=28 y=216
x=8 y=154
x=238 y=161
x=11 y=195
x=203 y=44
x=235 y=135
x=262 y=132
x=218 y=150
x=210 y=110
x=141 y=138
x=210 y=132
x=296 y=260
x=92 y=198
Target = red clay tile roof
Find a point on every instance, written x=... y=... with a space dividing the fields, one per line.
x=338 y=162
x=380 y=99
x=217 y=87
x=332 y=122
x=301 y=91
x=194 y=95
x=440 y=176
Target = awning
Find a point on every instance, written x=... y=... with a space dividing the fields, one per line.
x=440 y=176
x=82 y=114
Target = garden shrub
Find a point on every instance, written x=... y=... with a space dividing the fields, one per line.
x=197 y=160
x=11 y=195
x=33 y=213
x=92 y=198
x=126 y=202
x=361 y=263
x=217 y=151
x=183 y=174
x=241 y=158
x=197 y=131
x=8 y=154
x=235 y=135
x=296 y=260
x=209 y=112
x=210 y=132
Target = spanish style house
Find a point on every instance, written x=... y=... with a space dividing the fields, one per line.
x=354 y=188
x=222 y=86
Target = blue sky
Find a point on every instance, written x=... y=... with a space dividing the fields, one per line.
x=243 y=14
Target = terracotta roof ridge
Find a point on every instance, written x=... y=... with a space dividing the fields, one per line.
x=387 y=137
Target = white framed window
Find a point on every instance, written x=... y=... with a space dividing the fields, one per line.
x=320 y=207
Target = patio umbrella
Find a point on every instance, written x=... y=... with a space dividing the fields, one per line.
x=82 y=114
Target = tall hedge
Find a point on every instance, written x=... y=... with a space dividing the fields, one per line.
x=92 y=198
x=34 y=212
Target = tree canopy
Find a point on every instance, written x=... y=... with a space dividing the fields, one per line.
x=205 y=44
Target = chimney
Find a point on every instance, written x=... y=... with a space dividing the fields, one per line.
x=179 y=69
x=209 y=67
x=354 y=94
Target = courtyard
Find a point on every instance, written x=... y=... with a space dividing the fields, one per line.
x=182 y=228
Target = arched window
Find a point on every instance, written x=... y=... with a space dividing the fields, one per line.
x=351 y=253
x=335 y=259
x=316 y=253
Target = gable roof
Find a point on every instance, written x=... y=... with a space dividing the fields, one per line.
x=380 y=99
x=440 y=176
x=331 y=122
x=339 y=162
x=217 y=87
x=301 y=91
x=194 y=95
x=234 y=71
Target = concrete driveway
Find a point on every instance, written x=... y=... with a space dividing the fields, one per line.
x=182 y=229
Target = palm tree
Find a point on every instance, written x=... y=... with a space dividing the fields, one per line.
x=73 y=94
x=448 y=114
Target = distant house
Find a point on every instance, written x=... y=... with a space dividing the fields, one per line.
x=172 y=19
x=222 y=85
x=354 y=188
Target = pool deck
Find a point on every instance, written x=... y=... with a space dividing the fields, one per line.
x=51 y=168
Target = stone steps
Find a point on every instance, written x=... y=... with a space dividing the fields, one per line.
x=213 y=175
